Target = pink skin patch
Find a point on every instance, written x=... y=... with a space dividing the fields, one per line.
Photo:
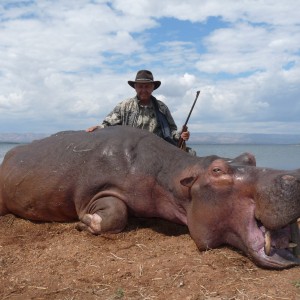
x=93 y=222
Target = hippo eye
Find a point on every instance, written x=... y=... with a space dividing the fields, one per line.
x=217 y=170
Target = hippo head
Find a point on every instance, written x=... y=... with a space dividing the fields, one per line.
x=253 y=209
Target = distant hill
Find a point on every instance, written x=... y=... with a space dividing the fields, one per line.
x=243 y=138
x=196 y=138
x=20 y=138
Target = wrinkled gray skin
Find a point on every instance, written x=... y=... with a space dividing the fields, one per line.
x=102 y=177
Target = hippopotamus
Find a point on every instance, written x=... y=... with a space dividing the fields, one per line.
x=101 y=178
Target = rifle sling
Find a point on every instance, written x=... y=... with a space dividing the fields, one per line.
x=164 y=125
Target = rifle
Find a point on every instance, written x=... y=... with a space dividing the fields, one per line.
x=181 y=142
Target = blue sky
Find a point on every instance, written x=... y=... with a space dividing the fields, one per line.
x=65 y=64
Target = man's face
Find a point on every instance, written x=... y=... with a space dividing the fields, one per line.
x=144 y=90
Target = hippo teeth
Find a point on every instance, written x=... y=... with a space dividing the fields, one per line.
x=268 y=243
x=293 y=245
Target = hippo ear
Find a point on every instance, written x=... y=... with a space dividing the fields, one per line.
x=246 y=158
x=188 y=182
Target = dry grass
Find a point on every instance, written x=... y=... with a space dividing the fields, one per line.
x=151 y=260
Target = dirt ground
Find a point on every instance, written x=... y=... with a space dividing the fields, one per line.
x=151 y=259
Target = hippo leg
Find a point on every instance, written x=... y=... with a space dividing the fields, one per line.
x=107 y=214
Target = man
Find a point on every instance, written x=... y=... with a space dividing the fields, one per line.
x=145 y=111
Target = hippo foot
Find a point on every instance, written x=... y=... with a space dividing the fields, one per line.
x=107 y=214
x=91 y=223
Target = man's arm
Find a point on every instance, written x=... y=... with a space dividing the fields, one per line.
x=112 y=119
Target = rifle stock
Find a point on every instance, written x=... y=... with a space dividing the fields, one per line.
x=181 y=142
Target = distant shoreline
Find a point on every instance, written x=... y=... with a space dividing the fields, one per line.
x=197 y=138
x=5 y=142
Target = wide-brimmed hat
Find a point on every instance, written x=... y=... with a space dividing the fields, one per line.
x=144 y=76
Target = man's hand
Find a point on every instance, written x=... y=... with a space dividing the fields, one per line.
x=185 y=135
x=90 y=129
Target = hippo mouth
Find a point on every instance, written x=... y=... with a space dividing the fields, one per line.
x=276 y=248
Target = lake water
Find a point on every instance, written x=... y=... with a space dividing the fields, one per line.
x=4 y=147
x=273 y=156
x=285 y=157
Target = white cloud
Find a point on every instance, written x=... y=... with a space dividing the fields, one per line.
x=13 y=102
x=187 y=80
x=247 y=48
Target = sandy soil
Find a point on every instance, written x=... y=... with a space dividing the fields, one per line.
x=151 y=259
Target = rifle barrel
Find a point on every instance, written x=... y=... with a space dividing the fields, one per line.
x=181 y=142
x=197 y=95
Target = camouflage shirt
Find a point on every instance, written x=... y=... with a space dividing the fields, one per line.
x=131 y=112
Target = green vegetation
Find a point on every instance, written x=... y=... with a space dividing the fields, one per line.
x=119 y=293
x=297 y=284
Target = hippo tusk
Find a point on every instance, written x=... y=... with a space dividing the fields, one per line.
x=268 y=243
x=295 y=238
